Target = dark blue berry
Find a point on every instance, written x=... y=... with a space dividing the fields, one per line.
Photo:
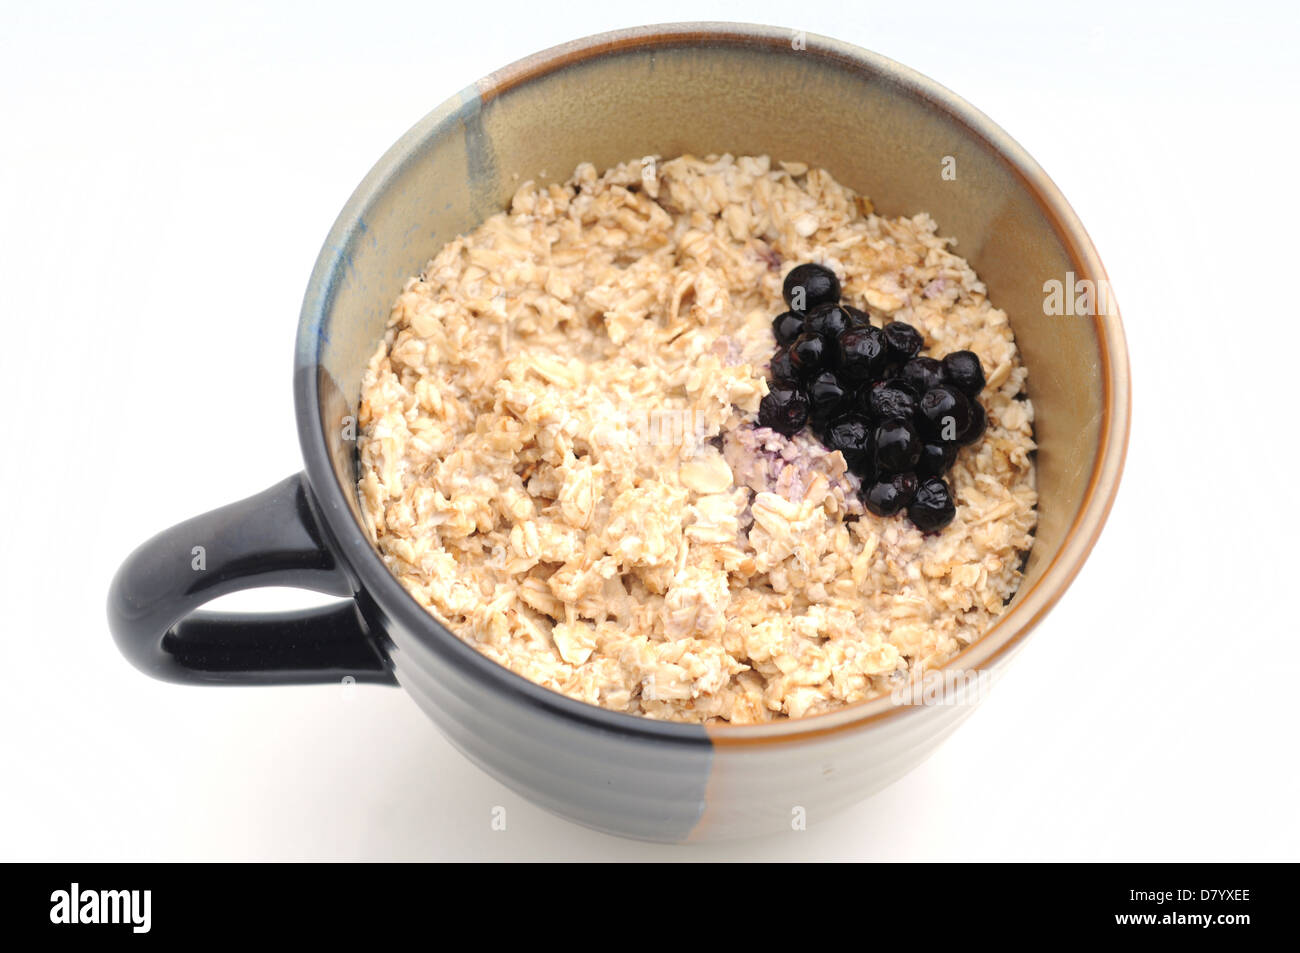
x=809 y=285
x=905 y=341
x=923 y=373
x=887 y=496
x=857 y=317
x=851 y=435
x=890 y=399
x=862 y=354
x=932 y=508
x=784 y=409
x=897 y=445
x=882 y=499
x=963 y=370
x=809 y=353
x=782 y=366
x=906 y=484
x=943 y=414
x=828 y=320
x=936 y=459
x=787 y=326
x=826 y=395
x=978 y=424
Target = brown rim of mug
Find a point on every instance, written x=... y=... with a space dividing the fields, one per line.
x=1009 y=630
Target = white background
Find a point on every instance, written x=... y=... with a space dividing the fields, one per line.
x=168 y=177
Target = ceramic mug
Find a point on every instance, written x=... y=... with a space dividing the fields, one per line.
x=699 y=88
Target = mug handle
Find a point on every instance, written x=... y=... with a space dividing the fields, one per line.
x=271 y=539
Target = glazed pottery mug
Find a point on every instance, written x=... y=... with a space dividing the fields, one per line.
x=698 y=88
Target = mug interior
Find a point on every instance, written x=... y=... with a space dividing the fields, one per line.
x=713 y=88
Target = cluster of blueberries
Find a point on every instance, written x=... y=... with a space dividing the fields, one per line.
x=898 y=417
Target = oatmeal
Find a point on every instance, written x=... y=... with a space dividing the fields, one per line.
x=561 y=458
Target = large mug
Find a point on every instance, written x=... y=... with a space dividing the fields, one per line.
x=699 y=88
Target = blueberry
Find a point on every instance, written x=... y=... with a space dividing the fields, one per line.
x=862 y=353
x=932 y=508
x=817 y=427
x=943 y=414
x=828 y=320
x=897 y=445
x=890 y=399
x=851 y=434
x=809 y=353
x=882 y=498
x=962 y=369
x=857 y=317
x=906 y=484
x=978 y=424
x=886 y=497
x=923 y=373
x=893 y=372
x=787 y=326
x=905 y=341
x=865 y=468
x=826 y=395
x=936 y=459
x=784 y=409
x=782 y=366
x=809 y=285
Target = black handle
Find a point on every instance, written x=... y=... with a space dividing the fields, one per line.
x=271 y=539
